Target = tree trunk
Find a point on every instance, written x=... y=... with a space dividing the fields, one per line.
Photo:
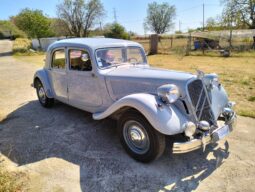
x=230 y=38
x=40 y=45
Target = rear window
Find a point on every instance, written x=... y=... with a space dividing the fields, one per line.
x=58 y=59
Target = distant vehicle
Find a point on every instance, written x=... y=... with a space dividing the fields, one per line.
x=111 y=78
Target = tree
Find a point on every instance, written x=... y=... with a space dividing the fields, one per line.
x=14 y=31
x=33 y=23
x=79 y=16
x=240 y=13
x=59 y=27
x=159 y=17
x=213 y=24
x=115 y=30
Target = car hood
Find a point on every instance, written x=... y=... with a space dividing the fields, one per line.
x=125 y=80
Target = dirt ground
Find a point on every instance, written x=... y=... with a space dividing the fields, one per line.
x=64 y=149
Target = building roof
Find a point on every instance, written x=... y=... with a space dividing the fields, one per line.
x=93 y=43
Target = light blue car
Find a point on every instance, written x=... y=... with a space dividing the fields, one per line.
x=111 y=78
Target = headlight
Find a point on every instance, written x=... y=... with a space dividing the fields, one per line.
x=215 y=81
x=169 y=93
x=190 y=129
x=211 y=80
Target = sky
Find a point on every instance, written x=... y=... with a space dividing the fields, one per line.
x=130 y=13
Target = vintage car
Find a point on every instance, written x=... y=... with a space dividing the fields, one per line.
x=112 y=78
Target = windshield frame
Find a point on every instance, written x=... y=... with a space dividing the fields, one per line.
x=125 y=53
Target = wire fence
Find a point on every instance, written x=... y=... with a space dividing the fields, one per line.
x=206 y=42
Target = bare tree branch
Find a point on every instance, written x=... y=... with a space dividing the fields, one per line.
x=80 y=16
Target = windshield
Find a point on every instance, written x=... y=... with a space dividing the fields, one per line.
x=109 y=57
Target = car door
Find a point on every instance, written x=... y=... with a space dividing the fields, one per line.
x=83 y=85
x=58 y=74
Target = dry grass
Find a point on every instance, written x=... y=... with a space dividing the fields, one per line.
x=21 y=45
x=35 y=59
x=237 y=74
x=12 y=181
x=164 y=46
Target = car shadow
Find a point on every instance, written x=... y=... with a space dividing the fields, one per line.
x=32 y=133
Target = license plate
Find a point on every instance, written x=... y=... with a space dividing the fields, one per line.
x=223 y=131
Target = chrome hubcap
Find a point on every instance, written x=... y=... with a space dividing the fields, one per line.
x=41 y=95
x=136 y=137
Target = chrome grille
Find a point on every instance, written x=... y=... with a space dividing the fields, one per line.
x=200 y=101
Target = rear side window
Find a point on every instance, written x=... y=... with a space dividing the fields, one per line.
x=58 y=59
x=79 y=60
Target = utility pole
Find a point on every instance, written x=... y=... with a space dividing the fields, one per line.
x=114 y=15
x=179 y=25
x=203 y=16
x=100 y=23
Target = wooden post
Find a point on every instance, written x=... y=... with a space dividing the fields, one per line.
x=153 y=44
x=253 y=45
x=188 y=45
x=171 y=42
x=203 y=46
x=230 y=39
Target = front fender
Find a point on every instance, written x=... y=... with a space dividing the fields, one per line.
x=43 y=76
x=166 y=119
x=219 y=100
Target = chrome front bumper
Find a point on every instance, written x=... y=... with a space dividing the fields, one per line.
x=213 y=137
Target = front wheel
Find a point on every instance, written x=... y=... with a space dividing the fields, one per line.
x=139 y=138
x=42 y=97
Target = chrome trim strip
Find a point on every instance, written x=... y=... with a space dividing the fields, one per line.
x=200 y=96
x=202 y=107
x=189 y=99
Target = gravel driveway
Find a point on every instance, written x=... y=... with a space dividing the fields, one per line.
x=64 y=149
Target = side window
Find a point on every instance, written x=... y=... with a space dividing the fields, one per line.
x=58 y=59
x=79 y=60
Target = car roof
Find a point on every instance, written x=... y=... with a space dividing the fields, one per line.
x=93 y=43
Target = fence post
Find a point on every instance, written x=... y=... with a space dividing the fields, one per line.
x=188 y=45
x=230 y=38
x=253 y=45
x=153 y=44
x=171 y=42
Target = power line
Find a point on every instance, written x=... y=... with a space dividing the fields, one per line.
x=188 y=9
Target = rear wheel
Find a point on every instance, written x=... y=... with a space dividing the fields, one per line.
x=42 y=97
x=139 y=138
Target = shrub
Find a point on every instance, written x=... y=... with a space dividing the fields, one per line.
x=116 y=30
x=9 y=26
x=21 y=45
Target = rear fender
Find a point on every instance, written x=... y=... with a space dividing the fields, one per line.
x=43 y=77
x=166 y=119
